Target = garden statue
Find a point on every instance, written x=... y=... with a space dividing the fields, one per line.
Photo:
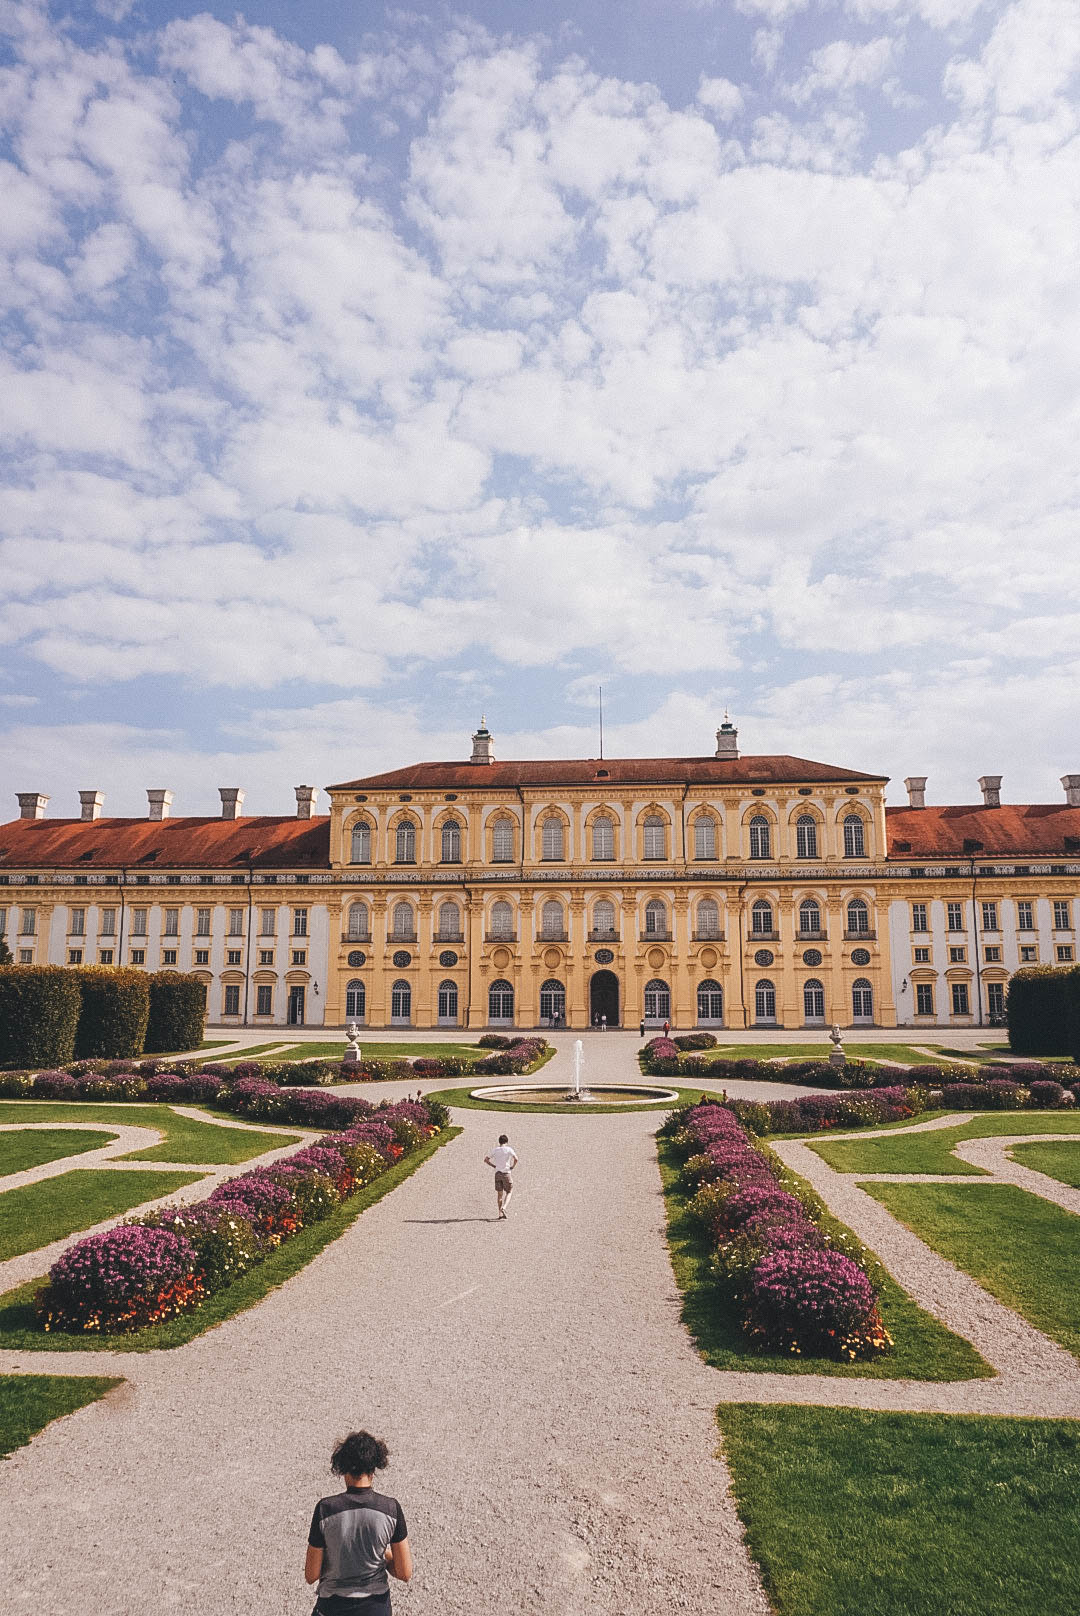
x=836 y=1053
x=352 y=1048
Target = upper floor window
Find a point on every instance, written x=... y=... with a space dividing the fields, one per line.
x=990 y=916
x=1062 y=914
x=403 y=923
x=655 y=838
x=553 y=845
x=28 y=925
x=1025 y=915
x=809 y=915
x=360 y=844
x=705 y=837
x=138 y=922
x=761 y=918
x=267 y=922
x=358 y=920
x=858 y=917
x=405 y=843
x=451 y=842
x=449 y=920
x=108 y=922
x=236 y=922
x=77 y=923
x=603 y=837
x=502 y=841
x=806 y=837
x=854 y=837
x=919 y=919
x=760 y=840
x=656 y=918
x=299 y=922
x=551 y=919
x=502 y=920
x=172 y=923
x=603 y=918
x=954 y=916
x=202 y=923
x=708 y=918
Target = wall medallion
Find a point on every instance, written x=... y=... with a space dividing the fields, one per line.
x=500 y=958
x=402 y=958
x=812 y=956
x=860 y=956
x=357 y=956
x=764 y=956
x=656 y=958
x=604 y=956
x=447 y=958
x=708 y=958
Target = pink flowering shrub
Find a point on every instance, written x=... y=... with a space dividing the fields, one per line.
x=123 y=1279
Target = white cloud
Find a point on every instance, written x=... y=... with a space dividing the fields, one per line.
x=721 y=97
x=843 y=67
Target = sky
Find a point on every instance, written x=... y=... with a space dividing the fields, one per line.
x=369 y=368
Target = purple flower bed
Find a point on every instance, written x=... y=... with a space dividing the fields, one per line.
x=813 y=1113
x=121 y=1280
x=521 y=1056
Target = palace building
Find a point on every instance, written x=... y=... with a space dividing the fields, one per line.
x=717 y=891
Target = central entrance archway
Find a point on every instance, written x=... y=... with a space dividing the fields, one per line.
x=604 y=998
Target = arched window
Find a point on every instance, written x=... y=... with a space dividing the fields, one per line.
x=553 y=840
x=708 y=918
x=760 y=842
x=404 y=926
x=501 y=1002
x=451 y=842
x=655 y=837
x=858 y=918
x=809 y=916
x=552 y=1004
x=705 y=837
x=761 y=918
x=448 y=1003
x=355 y=1001
x=502 y=841
x=710 y=1004
x=764 y=1001
x=813 y=998
x=603 y=837
x=657 y=1001
x=360 y=852
x=551 y=919
x=502 y=921
x=405 y=843
x=806 y=837
x=656 y=918
x=603 y=918
x=358 y=920
x=854 y=837
x=400 y=1004
x=862 y=1000
x=449 y=922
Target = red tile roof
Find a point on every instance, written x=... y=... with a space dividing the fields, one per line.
x=1011 y=831
x=147 y=844
x=710 y=771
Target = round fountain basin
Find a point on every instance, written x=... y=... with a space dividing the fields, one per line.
x=596 y=1094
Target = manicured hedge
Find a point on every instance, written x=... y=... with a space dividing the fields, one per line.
x=177 y=1012
x=39 y=1014
x=1038 y=1009
x=115 y=1011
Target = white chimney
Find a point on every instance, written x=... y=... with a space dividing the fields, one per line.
x=91 y=804
x=916 y=790
x=305 y=801
x=990 y=786
x=1071 y=782
x=160 y=803
x=31 y=804
x=727 y=739
x=232 y=801
x=483 y=747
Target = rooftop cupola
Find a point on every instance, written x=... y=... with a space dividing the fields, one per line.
x=483 y=747
x=727 y=739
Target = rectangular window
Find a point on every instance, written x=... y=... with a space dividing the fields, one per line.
x=989 y=917
x=1025 y=915
x=172 y=923
x=28 y=928
x=26 y=956
x=924 y=998
x=992 y=955
x=299 y=956
x=954 y=916
x=654 y=839
x=919 y=919
x=266 y=956
x=168 y=956
x=138 y=956
x=236 y=922
x=234 y=956
x=202 y=922
x=108 y=923
x=105 y=956
x=3 y=921
x=957 y=956
x=1028 y=955
x=138 y=922
x=922 y=956
x=299 y=922
x=267 y=922
x=74 y=956
x=1062 y=914
x=1064 y=953
x=961 y=1004
x=995 y=999
x=232 y=999
x=202 y=956
x=77 y=927
x=264 y=999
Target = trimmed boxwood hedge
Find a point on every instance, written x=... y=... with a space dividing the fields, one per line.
x=115 y=1011
x=1037 y=1007
x=177 y=1012
x=39 y=1014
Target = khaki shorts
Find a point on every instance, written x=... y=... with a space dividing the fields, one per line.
x=503 y=1181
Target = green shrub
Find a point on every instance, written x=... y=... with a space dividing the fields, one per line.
x=1072 y=1019
x=1037 y=1007
x=115 y=1011
x=39 y=1014
x=16 y=1085
x=177 y=1012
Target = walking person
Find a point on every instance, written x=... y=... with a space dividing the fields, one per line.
x=357 y=1537
x=504 y=1159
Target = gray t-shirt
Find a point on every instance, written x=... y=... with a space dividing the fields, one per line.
x=354 y=1530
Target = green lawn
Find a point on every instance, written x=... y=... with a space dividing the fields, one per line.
x=902 y=1053
x=924 y=1349
x=20 y=1331
x=28 y=1403
x=860 y=1514
x=990 y=1052
x=18 y=1151
x=38 y=1214
x=187 y=1139
x=931 y=1152
x=1060 y=1161
x=236 y=1055
x=375 y=1051
x=1022 y=1249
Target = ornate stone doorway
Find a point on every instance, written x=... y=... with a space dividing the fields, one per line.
x=604 y=999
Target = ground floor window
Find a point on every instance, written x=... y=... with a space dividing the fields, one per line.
x=553 y=1004
x=501 y=1002
x=995 y=999
x=232 y=999
x=764 y=1001
x=264 y=999
x=813 y=995
x=657 y=1001
x=400 y=1004
x=961 y=1002
x=355 y=1001
x=862 y=1000
x=710 y=1004
x=924 y=998
x=448 y=1003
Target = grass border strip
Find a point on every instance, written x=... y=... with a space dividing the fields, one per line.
x=55 y=1397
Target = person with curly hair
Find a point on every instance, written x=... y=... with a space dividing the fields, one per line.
x=358 y=1537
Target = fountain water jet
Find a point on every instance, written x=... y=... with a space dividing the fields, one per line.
x=577 y=1092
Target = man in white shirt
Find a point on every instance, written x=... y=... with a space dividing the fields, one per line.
x=503 y=1159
